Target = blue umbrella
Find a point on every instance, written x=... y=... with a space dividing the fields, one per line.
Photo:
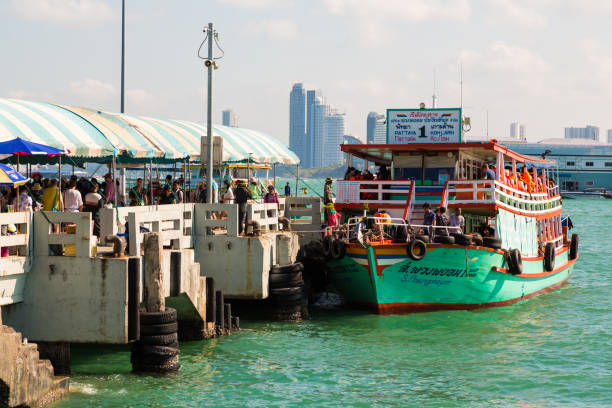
x=23 y=147
x=9 y=177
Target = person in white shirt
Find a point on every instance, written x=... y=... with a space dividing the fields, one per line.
x=457 y=221
x=73 y=202
x=228 y=197
x=25 y=201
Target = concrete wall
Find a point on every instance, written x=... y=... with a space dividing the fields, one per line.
x=71 y=299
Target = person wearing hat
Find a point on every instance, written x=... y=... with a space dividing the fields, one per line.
x=242 y=196
x=328 y=195
x=272 y=197
x=36 y=189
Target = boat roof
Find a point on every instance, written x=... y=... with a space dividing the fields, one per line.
x=382 y=153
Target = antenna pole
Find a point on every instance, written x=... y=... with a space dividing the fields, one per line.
x=209 y=134
x=461 y=82
x=122 y=55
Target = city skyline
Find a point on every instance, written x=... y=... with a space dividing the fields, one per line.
x=548 y=76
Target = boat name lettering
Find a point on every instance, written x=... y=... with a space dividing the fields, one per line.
x=429 y=271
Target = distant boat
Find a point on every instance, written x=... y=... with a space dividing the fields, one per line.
x=597 y=192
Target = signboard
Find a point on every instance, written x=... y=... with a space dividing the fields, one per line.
x=423 y=126
x=347 y=191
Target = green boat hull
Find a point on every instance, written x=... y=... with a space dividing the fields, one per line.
x=386 y=280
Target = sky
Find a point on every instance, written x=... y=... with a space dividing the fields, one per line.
x=544 y=63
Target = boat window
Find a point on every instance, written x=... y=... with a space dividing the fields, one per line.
x=588 y=183
x=589 y=164
x=570 y=164
x=608 y=164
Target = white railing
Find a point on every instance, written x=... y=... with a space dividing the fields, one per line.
x=174 y=224
x=492 y=191
x=304 y=213
x=259 y=213
x=19 y=240
x=78 y=241
x=208 y=219
x=112 y=220
x=376 y=192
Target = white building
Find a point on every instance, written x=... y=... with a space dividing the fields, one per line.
x=335 y=128
x=517 y=131
x=380 y=131
x=230 y=118
x=589 y=132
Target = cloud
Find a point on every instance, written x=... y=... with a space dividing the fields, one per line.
x=282 y=29
x=257 y=3
x=29 y=95
x=517 y=12
x=505 y=58
x=92 y=89
x=61 y=11
x=140 y=99
x=403 y=10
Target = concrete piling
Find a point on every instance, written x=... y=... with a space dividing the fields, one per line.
x=227 y=315
x=220 y=312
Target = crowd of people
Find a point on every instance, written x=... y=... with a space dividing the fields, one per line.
x=522 y=180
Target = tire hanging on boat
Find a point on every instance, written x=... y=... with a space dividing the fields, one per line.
x=416 y=249
x=444 y=239
x=491 y=242
x=424 y=238
x=327 y=244
x=549 y=257
x=573 y=252
x=338 y=249
x=515 y=262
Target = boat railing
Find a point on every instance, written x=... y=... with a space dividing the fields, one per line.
x=372 y=191
x=466 y=192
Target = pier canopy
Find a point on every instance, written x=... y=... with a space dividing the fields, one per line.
x=97 y=136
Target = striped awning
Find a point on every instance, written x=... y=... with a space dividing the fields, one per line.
x=52 y=125
x=98 y=135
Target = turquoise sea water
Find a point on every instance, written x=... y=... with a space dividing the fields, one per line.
x=551 y=351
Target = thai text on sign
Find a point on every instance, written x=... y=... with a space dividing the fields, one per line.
x=423 y=126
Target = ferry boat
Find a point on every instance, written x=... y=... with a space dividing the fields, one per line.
x=513 y=244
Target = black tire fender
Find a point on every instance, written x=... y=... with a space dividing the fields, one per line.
x=159 y=340
x=157 y=329
x=416 y=249
x=491 y=242
x=444 y=239
x=327 y=245
x=549 y=257
x=167 y=316
x=424 y=238
x=338 y=249
x=515 y=262
x=573 y=251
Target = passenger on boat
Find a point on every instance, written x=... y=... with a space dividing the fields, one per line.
x=456 y=221
x=383 y=173
x=333 y=219
x=441 y=221
x=526 y=179
x=328 y=195
x=349 y=173
x=429 y=217
x=487 y=173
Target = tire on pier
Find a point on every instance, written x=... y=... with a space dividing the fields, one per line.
x=549 y=257
x=157 y=351
x=515 y=262
x=573 y=251
x=416 y=249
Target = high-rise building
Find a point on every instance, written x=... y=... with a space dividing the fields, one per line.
x=318 y=114
x=230 y=118
x=373 y=117
x=517 y=131
x=380 y=131
x=335 y=128
x=297 y=121
x=589 y=132
x=310 y=101
x=609 y=135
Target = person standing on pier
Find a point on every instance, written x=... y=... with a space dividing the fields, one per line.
x=328 y=196
x=72 y=198
x=93 y=203
x=140 y=193
x=287 y=190
x=242 y=196
x=108 y=188
x=272 y=197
